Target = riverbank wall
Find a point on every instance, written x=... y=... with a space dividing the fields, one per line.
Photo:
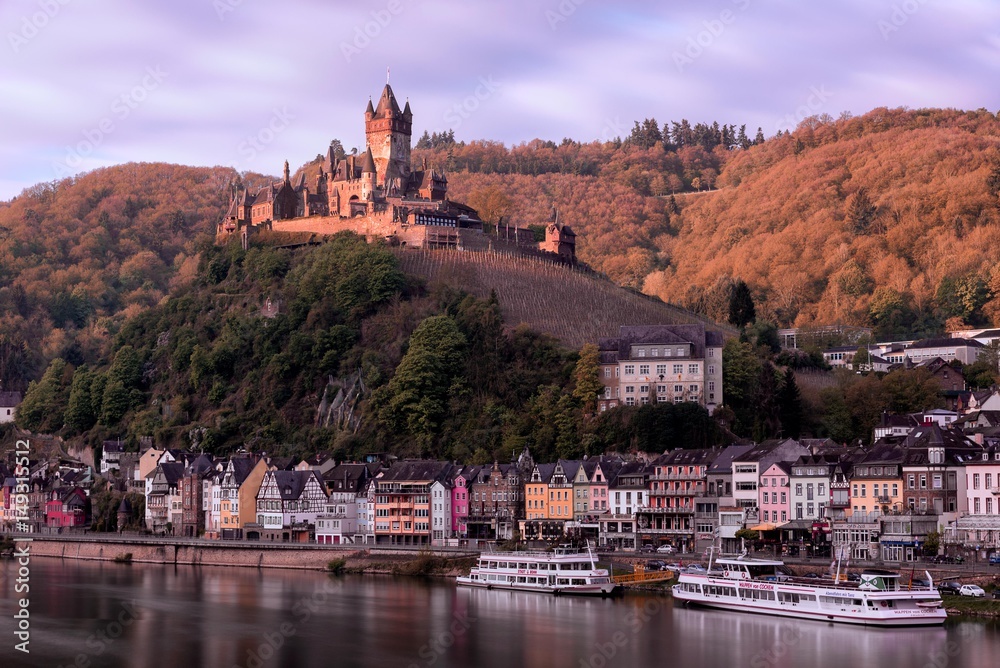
x=250 y=555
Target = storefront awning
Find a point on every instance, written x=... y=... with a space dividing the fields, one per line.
x=766 y=526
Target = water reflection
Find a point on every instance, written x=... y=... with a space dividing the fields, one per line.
x=225 y=617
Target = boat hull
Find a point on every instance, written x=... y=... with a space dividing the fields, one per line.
x=845 y=613
x=597 y=589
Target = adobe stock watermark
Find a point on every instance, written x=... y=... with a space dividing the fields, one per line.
x=789 y=636
x=272 y=641
x=22 y=547
x=97 y=643
x=899 y=17
x=121 y=108
x=614 y=129
x=636 y=620
x=703 y=40
x=562 y=12
x=814 y=103
x=33 y=24
x=434 y=649
x=371 y=29
x=223 y=7
x=460 y=111
x=945 y=655
x=250 y=147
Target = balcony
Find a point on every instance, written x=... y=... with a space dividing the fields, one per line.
x=994 y=490
x=676 y=492
x=677 y=476
x=683 y=510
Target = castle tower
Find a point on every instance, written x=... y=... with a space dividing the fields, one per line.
x=387 y=133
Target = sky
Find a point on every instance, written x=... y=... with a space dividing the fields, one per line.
x=250 y=83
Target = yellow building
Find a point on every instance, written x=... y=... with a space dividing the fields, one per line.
x=877 y=482
x=536 y=492
x=241 y=481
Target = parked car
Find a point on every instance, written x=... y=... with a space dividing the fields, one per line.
x=697 y=569
x=919 y=583
x=666 y=549
x=995 y=560
x=949 y=587
x=971 y=590
x=655 y=565
x=675 y=567
x=811 y=576
x=646 y=548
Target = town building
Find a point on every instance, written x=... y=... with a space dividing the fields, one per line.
x=677 y=481
x=403 y=501
x=661 y=363
x=288 y=503
x=9 y=401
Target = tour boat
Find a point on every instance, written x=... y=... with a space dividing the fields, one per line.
x=765 y=587
x=566 y=570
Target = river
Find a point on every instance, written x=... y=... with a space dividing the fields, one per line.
x=92 y=614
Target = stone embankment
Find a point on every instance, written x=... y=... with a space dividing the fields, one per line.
x=252 y=555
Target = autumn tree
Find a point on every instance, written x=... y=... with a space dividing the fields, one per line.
x=492 y=204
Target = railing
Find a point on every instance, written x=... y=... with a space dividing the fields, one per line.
x=676 y=492
x=677 y=476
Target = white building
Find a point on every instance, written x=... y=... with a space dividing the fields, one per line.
x=661 y=363
x=441 y=526
x=288 y=498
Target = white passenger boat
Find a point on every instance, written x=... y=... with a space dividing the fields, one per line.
x=765 y=587
x=566 y=570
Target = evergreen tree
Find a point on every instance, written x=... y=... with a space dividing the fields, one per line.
x=790 y=406
x=741 y=306
x=587 y=378
x=80 y=413
x=44 y=404
x=861 y=212
x=759 y=139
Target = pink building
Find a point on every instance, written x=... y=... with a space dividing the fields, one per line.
x=774 y=494
x=460 y=501
x=66 y=508
x=599 y=487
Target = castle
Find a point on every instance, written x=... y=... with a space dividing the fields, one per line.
x=376 y=194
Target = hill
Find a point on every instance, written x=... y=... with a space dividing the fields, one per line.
x=887 y=220
x=576 y=307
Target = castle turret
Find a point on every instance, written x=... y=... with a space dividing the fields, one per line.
x=287 y=174
x=368 y=176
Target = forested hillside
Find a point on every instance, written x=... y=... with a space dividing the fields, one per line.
x=888 y=219
x=254 y=349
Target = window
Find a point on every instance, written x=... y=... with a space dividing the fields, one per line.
x=629 y=369
x=937 y=481
x=711 y=386
x=630 y=389
x=798 y=511
x=989 y=481
x=798 y=489
x=864 y=492
x=923 y=481
x=989 y=506
x=692 y=368
x=809 y=492
x=607 y=372
x=783 y=498
x=711 y=352
x=975 y=506
x=655 y=352
x=678 y=368
x=678 y=389
x=643 y=369
x=630 y=401
x=910 y=482
x=711 y=369
x=607 y=392
x=642 y=352
x=764 y=482
x=661 y=389
x=810 y=510
x=784 y=514
x=693 y=389
x=821 y=490
x=661 y=369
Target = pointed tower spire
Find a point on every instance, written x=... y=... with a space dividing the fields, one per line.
x=287 y=177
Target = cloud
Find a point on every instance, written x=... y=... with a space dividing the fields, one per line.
x=566 y=68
